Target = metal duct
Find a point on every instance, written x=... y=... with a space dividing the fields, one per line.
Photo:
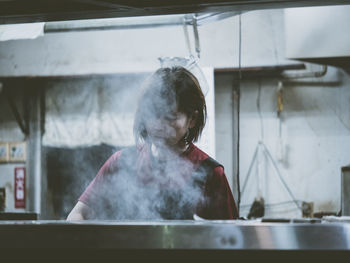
x=319 y=35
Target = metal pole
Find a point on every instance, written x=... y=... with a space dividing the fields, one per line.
x=34 y=151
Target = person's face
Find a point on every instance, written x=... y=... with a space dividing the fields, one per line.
x=169 y=129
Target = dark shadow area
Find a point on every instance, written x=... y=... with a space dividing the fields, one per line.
x=69 y=172
x=166 y=255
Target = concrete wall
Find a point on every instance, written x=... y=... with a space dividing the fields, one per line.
x=139 y=49
x=308 y=142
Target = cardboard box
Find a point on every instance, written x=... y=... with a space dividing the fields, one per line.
x=17 y=151
x=4 y=152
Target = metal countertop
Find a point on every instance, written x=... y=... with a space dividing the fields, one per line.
x=187 y=234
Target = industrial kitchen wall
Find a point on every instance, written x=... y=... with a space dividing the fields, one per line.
x=315 y=144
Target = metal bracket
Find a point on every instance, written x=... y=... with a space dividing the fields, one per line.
x=194 y=23
x=262 y=147
x=196 y=36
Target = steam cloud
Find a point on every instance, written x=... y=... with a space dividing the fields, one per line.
x=169 y=189
x=170 y=192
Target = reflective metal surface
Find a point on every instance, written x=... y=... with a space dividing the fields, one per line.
x=222 y=235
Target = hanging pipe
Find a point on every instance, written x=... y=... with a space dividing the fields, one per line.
x=307 y=74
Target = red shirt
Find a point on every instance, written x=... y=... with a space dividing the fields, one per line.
x=150 y=190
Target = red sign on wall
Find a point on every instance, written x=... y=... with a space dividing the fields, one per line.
x=20 y=187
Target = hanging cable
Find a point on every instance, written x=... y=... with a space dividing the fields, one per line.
x=240 y=46
x=260 y=182
x=261 y=147
x=266 y=151
x=238 y=86
x=259 y=111
x=275 y=50
x=280 y=107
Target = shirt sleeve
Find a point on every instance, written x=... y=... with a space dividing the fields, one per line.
x=94 y=192
x=220 y=203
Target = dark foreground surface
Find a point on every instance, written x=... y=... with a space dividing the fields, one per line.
x=170 y=241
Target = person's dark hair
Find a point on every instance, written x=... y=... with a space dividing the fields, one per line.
x=166 y=91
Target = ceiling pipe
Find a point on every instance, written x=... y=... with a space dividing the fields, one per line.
x=306 y=74
x=135 y=22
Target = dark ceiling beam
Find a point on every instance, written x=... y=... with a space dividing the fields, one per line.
x=22 y=11
x=107 y=4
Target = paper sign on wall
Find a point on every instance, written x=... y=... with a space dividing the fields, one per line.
x=20 y=187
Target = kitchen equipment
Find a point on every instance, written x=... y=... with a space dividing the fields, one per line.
x=345 y=190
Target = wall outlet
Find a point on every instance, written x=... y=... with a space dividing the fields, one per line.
x=4 y=152
x=17 y=151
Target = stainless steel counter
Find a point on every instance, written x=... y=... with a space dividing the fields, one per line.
x=184 y=235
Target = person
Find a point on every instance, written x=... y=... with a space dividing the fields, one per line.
x=164 y=176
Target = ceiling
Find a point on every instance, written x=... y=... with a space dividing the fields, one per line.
x=24 y=11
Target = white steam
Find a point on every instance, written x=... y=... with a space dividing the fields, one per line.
x=168 y=189
x=146 y=187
